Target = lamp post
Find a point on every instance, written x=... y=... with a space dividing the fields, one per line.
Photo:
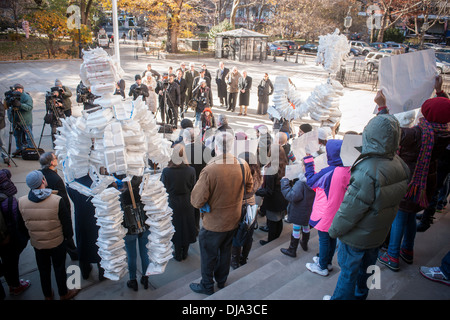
x=116 y=31
x=348 y=20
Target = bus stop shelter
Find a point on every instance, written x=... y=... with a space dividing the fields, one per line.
x=241 y=44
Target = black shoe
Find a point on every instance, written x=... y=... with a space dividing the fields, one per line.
x=199 y=288
x=144 y=281
x=85 y=270
x=221 y=285
x=263 y=242
x=264 y=228
x=132 y=284
x=17 y=153
x=101 y=273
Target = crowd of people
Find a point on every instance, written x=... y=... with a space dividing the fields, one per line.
x=172 y=93
x=370 y=207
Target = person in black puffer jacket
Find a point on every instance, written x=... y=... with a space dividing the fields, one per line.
x=274 y=202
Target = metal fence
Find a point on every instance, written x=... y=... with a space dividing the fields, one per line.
x=355 y=74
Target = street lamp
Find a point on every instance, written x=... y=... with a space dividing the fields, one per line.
x=348 y=20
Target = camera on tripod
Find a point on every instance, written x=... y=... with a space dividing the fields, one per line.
x=12 y=98
x=54 y=104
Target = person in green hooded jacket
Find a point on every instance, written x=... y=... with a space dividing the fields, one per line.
x=21 y=115
x=379 y=180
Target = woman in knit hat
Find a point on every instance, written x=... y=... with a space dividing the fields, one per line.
x=420 y=147
x=207 y=121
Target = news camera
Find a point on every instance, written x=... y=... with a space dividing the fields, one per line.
x=12 y=98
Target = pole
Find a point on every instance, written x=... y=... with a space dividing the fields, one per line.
x=116 y=31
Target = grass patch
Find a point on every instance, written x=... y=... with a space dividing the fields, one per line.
x=34 y=49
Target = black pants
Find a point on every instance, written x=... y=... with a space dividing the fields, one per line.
x=45 y=258
x=215 y=256
x=275 y=228
x=223 y=100
x=172 y=115
x=10 y=264
x=232 y=100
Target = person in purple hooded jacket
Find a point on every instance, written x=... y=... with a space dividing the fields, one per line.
x=330 y=185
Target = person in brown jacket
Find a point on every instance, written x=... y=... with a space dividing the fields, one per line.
x=48 y=222
x=218 y=194
x=232 y=81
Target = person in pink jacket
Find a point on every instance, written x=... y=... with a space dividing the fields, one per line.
x=330 y=185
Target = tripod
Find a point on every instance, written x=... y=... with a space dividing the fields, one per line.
x=15 y=112
x=52 y=122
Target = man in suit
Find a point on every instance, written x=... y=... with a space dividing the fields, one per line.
x=221 y=74
x=190 y=75
x=183 y=87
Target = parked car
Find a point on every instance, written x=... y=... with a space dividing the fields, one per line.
x=273 y=49
x=290 y=45
x=309 y=48
x=434 y=46
x=103 y=40
x=372 y=60
x=378 y=45
x=355 y=36
x=363 y=46
x=397 y=46
x=355 y=52
x=388 y=50
x=442 y=66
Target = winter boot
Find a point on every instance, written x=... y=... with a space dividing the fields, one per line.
x=304 y=241
x=292 y=250
x=235 y=254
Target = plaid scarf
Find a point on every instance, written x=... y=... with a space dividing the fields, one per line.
x=418 y=185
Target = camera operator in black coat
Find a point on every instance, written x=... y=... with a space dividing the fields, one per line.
x=170 y=93
x=86 y=97
x=138 y=89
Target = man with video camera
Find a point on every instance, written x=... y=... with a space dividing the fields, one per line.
x=55 y=107
x=20 y=114
x=86 y=97
x=138 y=89
x=64 y=94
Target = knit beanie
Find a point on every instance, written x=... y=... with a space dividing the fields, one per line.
x=58 y=83
x=436 y=110
x=7 y=187
x=34 y=179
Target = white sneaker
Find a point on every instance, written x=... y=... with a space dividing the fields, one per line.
x=326 y=297
x=316 y=260
x=313 y=267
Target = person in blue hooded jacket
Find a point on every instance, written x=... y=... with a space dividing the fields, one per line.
x=330 y=185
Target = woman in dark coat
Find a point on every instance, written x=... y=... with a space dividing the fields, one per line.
x=244 y=85
x=179 y=180
x=265 y=89
x=274 y=203
x=86 y=229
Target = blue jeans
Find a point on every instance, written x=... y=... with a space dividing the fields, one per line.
x=130 y=247
x=352 y=282
x=403 y=233
x=23 y=140
x=197 y=119
x=327 y=246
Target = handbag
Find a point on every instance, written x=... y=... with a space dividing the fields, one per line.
x=245 y=227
